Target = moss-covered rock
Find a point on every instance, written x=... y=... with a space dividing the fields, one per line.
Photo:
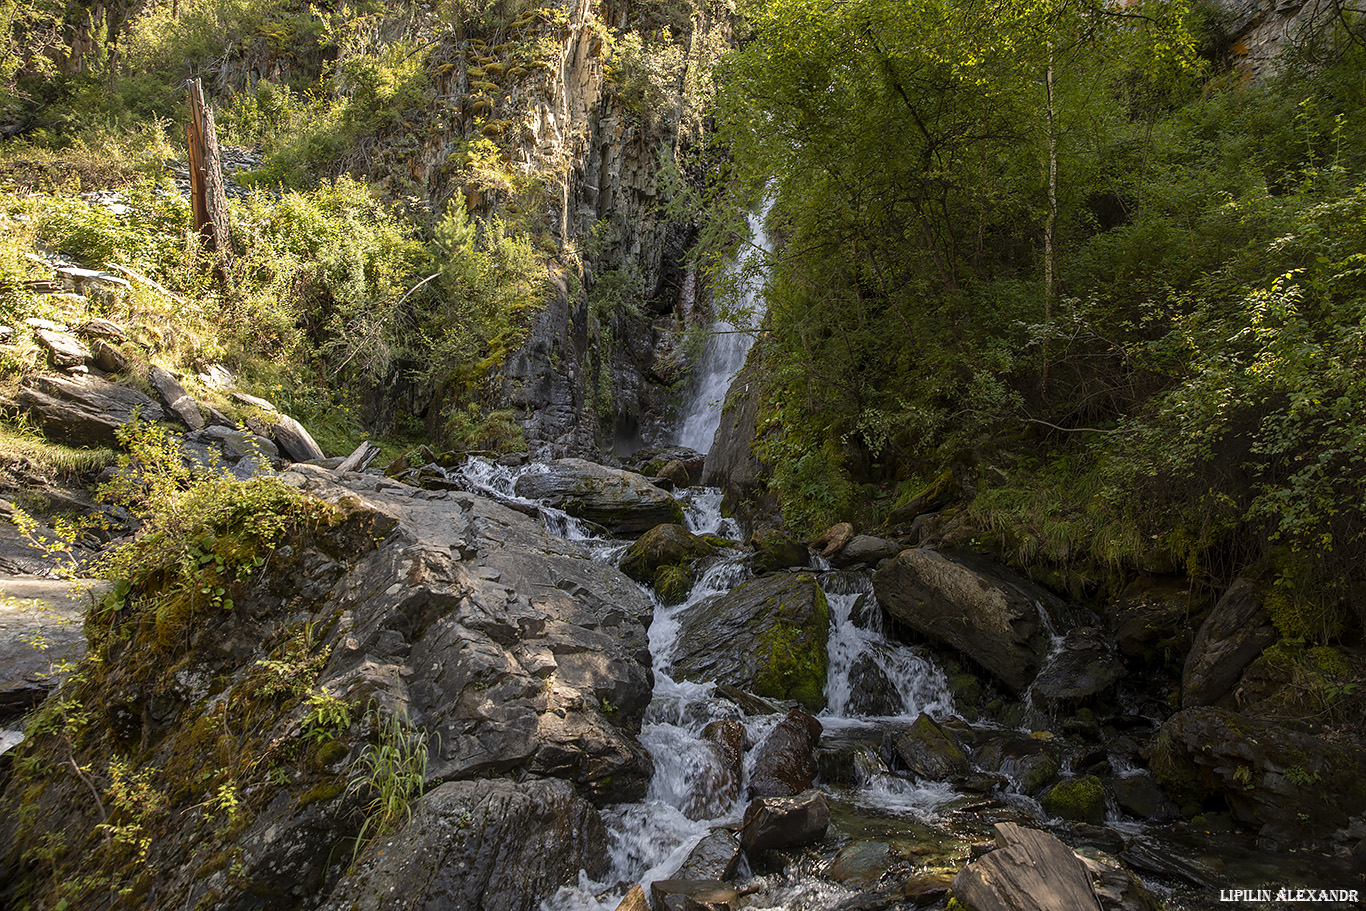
x=767 y=636
x=663 y=546
x=775 y=550
x=1080 y=800
x=930 y=752
x=672 y=583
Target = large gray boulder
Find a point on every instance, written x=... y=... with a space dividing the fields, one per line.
x=1030 y=870
x=1232 y=636
x=82 y=410
x=63 y=349
x=784 y=822
x=767 y=636
x=480 y=845
x=984 y=611
x=623 y=502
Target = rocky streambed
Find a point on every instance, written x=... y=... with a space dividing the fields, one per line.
x=776 y=733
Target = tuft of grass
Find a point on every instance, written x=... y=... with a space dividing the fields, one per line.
x=392 y=773
x=21 y=445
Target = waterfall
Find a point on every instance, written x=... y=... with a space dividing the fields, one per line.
x=727 y=346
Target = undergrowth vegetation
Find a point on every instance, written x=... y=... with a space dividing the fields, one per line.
x=1116 y=288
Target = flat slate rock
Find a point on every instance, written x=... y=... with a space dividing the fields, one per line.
x=1030 y=870
x=83 y=410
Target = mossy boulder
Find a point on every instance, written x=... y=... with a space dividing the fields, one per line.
x=768 y=636
x=1031 y=764
x=1080 y=800
x=775 y=550
x=672 y=583
x=663 y=546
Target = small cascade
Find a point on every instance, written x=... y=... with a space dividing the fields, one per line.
x=727 y=346
x=869 y=675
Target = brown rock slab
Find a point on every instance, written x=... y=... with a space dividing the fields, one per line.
x=175 y=398
x=63 y=350
x=783 y=822
x=1030 y=870
x=84 y=410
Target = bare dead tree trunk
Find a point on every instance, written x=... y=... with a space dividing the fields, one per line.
x=207 y=197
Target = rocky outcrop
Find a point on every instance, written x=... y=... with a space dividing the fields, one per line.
x=775 y=550
x=623 y=502
x=1029 y=871
x=174 y=397
x=767 y=636
x=41 y=632
x=82 y=410
x=481 y=845
x=1289 y=784
x=731 y=464
x=1259 y=32
x=983 y=611
x=508 y=651
x=1232 y=636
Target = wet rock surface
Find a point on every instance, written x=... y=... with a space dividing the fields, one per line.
x=41 y=632
x=768 y=636
x=785 y=762
x=782 y=822
x=1084 y=666
x=1232 y=636
x=623 y=502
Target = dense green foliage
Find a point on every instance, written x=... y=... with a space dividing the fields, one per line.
x=1175 y=383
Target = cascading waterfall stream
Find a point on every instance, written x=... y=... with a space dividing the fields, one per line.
x=727 y=346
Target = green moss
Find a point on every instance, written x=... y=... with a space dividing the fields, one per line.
x=1080 y=800
x=330 y=752
x=321 y=793
x=793 y=660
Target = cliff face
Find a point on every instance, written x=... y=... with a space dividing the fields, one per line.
x=1258 y=32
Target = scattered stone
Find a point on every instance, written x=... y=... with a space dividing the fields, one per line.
x=682 y=474
x=174 y=397
x=103 y=329
x=716 y=857
x=635 y=900
x=1032 y=764
x=254 y=401
x=1116 y=888
x=861 y=864
x=692 y=895
x=1232 y=636
x=865 y=550
x=785 y=762
x=767 y=636
x=930 y=752
x=1029 y=871
x=83 y=411
x=623 y=502
x=63 y=351
x=109 y=358
x=216 y=376
x=1139 y=794
x=784 y=822
x=294 y=441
